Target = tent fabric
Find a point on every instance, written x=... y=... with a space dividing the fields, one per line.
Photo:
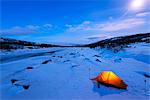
x=110 y=79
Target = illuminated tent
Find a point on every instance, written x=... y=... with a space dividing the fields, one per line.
x=108 y=78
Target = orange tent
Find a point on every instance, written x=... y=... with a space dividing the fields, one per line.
x=108 y=78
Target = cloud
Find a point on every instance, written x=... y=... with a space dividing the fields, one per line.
x=68 y=26
x=123 y=24
x=19 y=30
x=48 y=26
x=28 y=29
x=143 y=14
x=86 y=25
x=107 y=26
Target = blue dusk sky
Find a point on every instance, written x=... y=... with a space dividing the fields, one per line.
x=73 y=21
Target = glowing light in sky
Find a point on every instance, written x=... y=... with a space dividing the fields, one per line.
x=137 y=4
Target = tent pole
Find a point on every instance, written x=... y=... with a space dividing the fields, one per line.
x=108 y=77
x=145 y=86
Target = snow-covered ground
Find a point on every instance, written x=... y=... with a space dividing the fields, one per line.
x=66 y=73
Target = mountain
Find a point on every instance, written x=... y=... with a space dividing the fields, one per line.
x=121 y=41
x=7 y=44
x=112 y=43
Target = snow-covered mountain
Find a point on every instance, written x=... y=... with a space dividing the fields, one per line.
x=121 y=41
x=8 y=44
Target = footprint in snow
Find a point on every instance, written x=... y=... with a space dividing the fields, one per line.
x=60 y=57
x=71 y=54
x=74 y=66
x=145 y=74
x=13 y=81
x=66 y=61
x=45 y=62
x=20 y=84
x=119 y=60
x=96 y=56
x=98 y=60
x=29 y=68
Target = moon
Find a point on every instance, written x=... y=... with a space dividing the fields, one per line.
x=137 y=4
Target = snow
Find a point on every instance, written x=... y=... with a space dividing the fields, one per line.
x=67 y=76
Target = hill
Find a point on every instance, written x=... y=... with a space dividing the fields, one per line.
x=112 y=43
x=121 y=42
x=7 y=44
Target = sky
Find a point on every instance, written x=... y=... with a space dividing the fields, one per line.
x=73 y=21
